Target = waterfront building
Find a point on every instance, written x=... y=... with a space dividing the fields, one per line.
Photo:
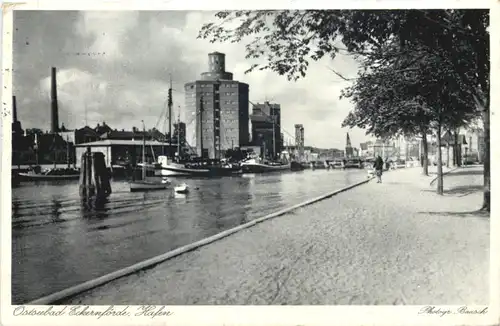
x=314 y=153
x=266 y=122
x=474 y=147
x=225 y=116
x=79 y=136
x=366 y=149
x=121 y=152
x=383 y=148
x=102 y=129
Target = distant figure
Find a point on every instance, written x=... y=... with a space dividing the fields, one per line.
x=378 y=166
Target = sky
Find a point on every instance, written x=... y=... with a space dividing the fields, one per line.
x=114 y=67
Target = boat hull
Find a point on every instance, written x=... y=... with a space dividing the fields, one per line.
x=146 y=186
x=179 y=170
x=296 y=166
x=43 y=177
x=264 y=168
x=167 y=168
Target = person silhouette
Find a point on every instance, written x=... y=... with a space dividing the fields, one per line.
x=378 y=166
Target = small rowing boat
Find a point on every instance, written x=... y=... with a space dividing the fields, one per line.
x=182 y=189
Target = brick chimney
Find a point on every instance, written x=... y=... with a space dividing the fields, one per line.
x=54 y=116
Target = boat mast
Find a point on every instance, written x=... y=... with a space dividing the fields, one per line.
x=179 y=133
x=170 y=102
x=143 y=151
x=274 y=140
x=264 y=153
x=37 y=156
x=201 y=126
x=67 y=151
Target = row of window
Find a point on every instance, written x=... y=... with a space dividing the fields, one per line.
x=210 y=120
x=211 y=93
x=224 y=130
x=232 y=85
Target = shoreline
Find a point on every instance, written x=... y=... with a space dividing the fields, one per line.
x=150 y=263
x=336 y=252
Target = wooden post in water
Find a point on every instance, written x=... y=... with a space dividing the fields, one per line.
x=94 y=177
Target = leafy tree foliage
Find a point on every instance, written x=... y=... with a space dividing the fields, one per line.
x=391 y=100
x=288 y=40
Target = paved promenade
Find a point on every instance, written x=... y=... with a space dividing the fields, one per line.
x=391 y=243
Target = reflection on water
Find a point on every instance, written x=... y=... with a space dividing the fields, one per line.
x=59 y=241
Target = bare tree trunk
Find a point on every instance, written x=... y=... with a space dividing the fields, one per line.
x=425 y=148
x=486 y=158
x=456 y=151
x=448 y=155
x=439 y=162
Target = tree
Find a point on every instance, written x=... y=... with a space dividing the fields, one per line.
x=288 y=39
x=392 y=100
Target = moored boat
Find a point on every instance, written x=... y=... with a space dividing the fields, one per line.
x=296 y=166
x=144 y=185
x=256 y=166
x=195 y=167
x=50 y=174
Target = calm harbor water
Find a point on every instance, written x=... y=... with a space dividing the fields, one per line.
x=58 y=243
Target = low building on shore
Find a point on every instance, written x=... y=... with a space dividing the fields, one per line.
x=124 y=152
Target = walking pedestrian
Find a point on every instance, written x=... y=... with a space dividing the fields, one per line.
x=378 y=166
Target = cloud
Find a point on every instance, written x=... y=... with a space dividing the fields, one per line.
x=116 y=67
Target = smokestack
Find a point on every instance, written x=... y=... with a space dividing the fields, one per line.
x=54 y=118
x=14 y=109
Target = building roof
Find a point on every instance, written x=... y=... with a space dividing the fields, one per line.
x=111 y=142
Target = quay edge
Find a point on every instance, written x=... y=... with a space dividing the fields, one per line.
x=59 y=296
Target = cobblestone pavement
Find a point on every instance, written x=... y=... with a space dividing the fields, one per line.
x=391 y=243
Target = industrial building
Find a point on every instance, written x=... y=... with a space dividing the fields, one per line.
x=299 y=138
x=216 y=110
x=266 y=122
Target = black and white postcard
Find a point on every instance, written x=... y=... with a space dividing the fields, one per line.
x=252 y=163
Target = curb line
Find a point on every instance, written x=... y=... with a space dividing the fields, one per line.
x=83 y=287
x=445 y=173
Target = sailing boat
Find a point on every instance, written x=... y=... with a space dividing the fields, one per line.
x=54 y=173
x=144 y=184
x=197 y=167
